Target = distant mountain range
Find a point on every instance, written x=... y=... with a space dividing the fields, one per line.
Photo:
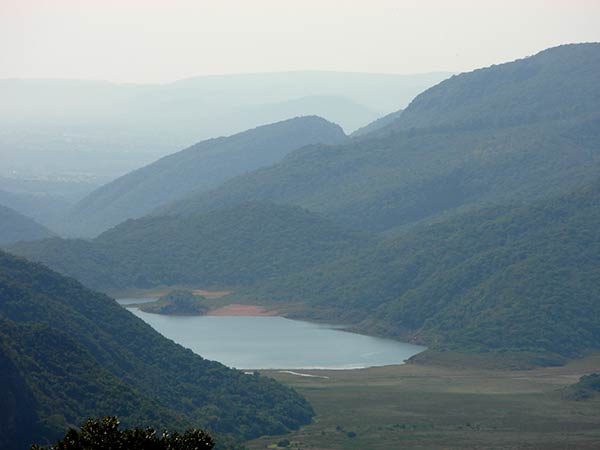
x=106 y=129
x=68 y=353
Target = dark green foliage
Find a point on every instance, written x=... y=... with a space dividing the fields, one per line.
x=18 y=420
x=556 y=83
x=177 y=302
x=104 y=434
x=236 y=246
x=503 y=278
x=106 y=360
x=197 y=168
x=490 y=136
x=15 y=227
x=67 y=382
x=587 y=386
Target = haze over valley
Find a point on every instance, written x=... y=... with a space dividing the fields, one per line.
x=377 y=229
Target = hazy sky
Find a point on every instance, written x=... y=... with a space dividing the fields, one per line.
x=160 y=41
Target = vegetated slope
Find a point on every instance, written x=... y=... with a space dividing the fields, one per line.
x=416 y=169
x=554 y=84
x=178 y=302
x=521 y=278
x=73 y=353
x=16 y=227
x=587 y=387
x=235 y=246
x=199 y=167
x=55 y=382
x=377 y=124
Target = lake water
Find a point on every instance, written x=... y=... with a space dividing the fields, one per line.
x=277 y=343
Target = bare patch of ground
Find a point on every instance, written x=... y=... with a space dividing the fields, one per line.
x=242 y=310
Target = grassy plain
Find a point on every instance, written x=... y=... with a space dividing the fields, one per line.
x=416 y=406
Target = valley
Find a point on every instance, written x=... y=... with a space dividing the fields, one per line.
x=427 y=407
x=439 y=400
x=430 y=281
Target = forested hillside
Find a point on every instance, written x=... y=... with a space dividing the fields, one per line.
x=236 y=246
x=15 y=227
x=377 y=124
x=70 y=353
x=554 y=84
x=422 y=167
x=196 y=169
x=522 y=278
x=491 y=238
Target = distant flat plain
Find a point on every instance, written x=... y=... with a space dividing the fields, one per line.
x=427 y=407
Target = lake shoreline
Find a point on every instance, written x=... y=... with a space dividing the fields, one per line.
x=239 y=310
x=252 y=337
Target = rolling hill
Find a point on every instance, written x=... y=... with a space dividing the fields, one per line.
x=230 y=247
x=15 y=227
x=504 y=278
x=198 y=168
x=70 y=353
x=454 y=148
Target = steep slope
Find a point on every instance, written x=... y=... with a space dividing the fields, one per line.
x=18 y=420
x=55 y=332
x=199 y=167
x=524 y=278
x=16 y=227
x=420 y=169
x=377 y=124
x=58 y=384
x=236 y=246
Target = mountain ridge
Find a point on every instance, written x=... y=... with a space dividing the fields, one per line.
x=197 y=168
x=229 y=247
x=421 y=168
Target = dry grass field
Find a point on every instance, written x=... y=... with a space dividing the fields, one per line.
x=426 y=407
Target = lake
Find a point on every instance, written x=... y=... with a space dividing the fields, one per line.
x=277 y=343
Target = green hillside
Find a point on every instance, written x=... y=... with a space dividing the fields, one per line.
x=377 y=124
x=61 y=383
x=198 y=168
x=519 y=278
x=15 y=227
x=423 y=168
x=230 y=247
x=554 y=84
x=72 y=353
